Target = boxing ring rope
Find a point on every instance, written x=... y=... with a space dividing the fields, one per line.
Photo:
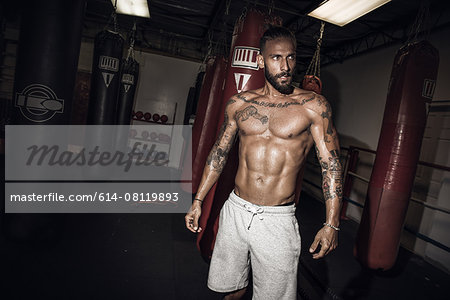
x=351 y=160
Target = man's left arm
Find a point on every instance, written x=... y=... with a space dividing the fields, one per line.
x=327 y=149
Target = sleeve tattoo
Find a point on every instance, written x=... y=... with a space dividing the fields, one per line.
x=217 y=158
x=331 y=175
x=330 y=164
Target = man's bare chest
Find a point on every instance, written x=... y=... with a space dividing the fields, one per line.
x=285 y=122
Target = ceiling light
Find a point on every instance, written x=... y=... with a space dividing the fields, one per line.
x=342 y=12
x=132 y=7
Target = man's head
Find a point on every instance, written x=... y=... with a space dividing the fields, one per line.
x=278 y=58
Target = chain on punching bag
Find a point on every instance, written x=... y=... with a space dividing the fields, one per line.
x=128 y=84
x=242 y=74
x=311 y=81
x=105 y=78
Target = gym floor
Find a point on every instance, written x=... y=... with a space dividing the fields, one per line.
x=152 y=256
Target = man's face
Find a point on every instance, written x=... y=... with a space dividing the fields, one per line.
x=279 y=60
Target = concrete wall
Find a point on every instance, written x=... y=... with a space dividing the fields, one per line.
x=163 y=81
x=357 y=91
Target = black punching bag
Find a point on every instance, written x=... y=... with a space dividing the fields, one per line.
x=128 y=84
x=49 y=47
x=46 y=67
x=108 y=47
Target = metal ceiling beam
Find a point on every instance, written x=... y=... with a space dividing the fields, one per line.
x=305 y=11
x=220 y=5
x=356 y=48
x=180 y=20
x=287 y=11
x=175 y=6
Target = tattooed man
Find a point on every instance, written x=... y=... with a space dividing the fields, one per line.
x=277 y=125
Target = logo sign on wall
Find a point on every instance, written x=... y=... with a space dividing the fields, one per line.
x=38 y=103
x=109 y=64
x=244 y=57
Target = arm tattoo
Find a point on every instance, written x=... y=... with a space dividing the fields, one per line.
x=250 y=111
x=331 y=176
x=327 y=115
x=217 y=158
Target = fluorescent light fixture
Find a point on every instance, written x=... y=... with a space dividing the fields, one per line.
x=342 y=12
x=132 y=7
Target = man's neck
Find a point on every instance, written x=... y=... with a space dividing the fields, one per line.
x=270 y=91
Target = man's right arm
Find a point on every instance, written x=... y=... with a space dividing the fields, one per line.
x=215 y=163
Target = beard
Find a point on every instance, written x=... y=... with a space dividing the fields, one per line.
x=285 y=88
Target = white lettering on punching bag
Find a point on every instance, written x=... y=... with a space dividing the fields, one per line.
x=428 y=88
x=107 y=78
x=127 y=80
x=241 y=80
x=108 y=63
x=245 y=57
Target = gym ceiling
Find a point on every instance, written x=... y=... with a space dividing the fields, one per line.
x=188 y=28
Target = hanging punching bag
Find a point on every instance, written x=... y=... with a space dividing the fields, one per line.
x=204 y=128
x=242 y=74
x=128 y=83
x=46 y=67
x=105 y=78
x=205 y=124
x=411 y=86
x=312 y=83
x=47 y=59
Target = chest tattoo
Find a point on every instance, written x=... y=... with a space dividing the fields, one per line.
x=250 y=111
x=268 y=104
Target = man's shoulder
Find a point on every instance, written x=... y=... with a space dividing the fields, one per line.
x=311 y=100
x=247 y=95
x=314 y=102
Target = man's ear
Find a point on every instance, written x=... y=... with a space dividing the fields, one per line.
x=260 y=61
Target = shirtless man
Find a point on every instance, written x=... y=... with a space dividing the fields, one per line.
x=257 y=224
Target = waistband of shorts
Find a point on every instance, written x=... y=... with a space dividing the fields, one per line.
x=275 y=210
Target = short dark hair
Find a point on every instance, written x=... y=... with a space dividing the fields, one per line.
x=275 y=32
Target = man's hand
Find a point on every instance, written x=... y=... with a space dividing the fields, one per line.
x=327 y=238
x=193 y=216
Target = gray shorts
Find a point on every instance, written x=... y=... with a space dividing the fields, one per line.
x=265 y=238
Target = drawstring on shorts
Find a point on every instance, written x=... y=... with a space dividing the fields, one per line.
x=255 y=210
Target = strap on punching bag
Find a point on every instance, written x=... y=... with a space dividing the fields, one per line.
x=311 y=81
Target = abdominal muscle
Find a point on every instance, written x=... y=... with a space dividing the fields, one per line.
x=268 y=168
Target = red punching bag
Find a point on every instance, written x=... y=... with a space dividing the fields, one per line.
x=242 y=74
x=411 y=86
x=204 y=129
x=312 y=83
x=205 y=124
